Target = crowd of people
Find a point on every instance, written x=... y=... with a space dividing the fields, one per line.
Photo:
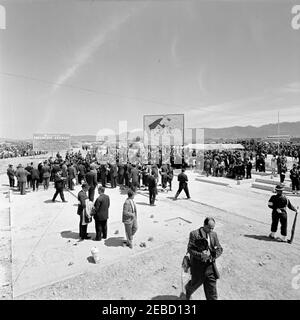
x=18 y=149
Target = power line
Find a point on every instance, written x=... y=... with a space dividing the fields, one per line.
x=116 y=95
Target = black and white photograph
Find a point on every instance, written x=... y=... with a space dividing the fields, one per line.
x=149 y=150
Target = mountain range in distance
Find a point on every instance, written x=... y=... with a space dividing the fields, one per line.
x=236 y=132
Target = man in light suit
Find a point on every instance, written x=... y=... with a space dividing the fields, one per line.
x=102 y=204
x=130 y=218
x=204 y=248
x=21 y=175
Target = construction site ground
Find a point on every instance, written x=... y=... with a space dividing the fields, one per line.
x=42 y=258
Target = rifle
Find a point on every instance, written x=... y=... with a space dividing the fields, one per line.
x=293 y=228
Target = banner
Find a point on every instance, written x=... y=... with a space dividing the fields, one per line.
x=167 y=130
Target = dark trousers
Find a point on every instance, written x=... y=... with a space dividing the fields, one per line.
x=101 y=229
x=126 y=180
x=80 y=178
x=103 y=180
x=91 y=193
x=282 y=177
x=295 y=184
x=248 y=175
x=121 y=179
x=183 y=186
x=59 y=191
x=164 y=180
x=11 y=181
x=70 y=184
x=152 y=195
x=35 y=184
x=202 y=274
x=82 y=229
x=282 y=217
x=22 y=187
x=113 y=181
x=170 y=183
x=46 y=183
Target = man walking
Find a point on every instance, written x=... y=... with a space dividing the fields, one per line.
x=129 y=218
x=278 y=204
x=102 y=204
x=59 y=186
x=204 y=248
x=183 y=179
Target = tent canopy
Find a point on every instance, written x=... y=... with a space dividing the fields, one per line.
x=214 y=146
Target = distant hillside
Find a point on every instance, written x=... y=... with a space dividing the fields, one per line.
x=286 y=128
x=289 y=128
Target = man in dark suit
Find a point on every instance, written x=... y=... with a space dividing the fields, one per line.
x=121 y=172
x=71 y=176
x=103 y=173
x=183 y=179
x=81 y=174
x=82 y=197
x=113 y=171
x=29 y=178
x=91 y=180
x=134 y=177
x=152 y=187
x=204 y=248
x=59 y=186
x=102 y=204
x=46 y=175
x=35 y=175
x=11 y=175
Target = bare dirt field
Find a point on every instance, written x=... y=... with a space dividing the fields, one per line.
x=48 y=262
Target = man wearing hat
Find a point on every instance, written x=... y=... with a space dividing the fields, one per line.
x=278 y=204
x=11 y=175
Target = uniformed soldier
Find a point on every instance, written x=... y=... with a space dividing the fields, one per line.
x=278 y=204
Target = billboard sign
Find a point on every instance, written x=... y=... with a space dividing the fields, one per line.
x=164 y=130
x=51 y=142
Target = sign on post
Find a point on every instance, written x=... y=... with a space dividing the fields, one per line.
x=51 y=142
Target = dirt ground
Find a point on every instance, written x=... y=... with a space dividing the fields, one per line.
x=251 y=267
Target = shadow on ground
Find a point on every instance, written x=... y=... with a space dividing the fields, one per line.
x=142 y=203
x=114 y=242
x=169 y=297
x=50 y=201
x=69 y=234
x=258 y=237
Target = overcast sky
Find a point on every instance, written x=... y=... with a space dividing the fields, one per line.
x=79 y=66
